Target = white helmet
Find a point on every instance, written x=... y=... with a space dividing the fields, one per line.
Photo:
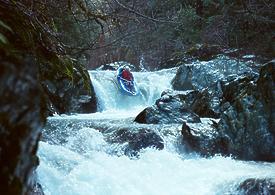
x=127 y=68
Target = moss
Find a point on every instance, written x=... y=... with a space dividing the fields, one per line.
x=24 y=34
x=27 y=44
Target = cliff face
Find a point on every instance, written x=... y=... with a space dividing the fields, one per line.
x=69 y=91
x=24 y=107
x=246 y=126
x=31 y=65
x=22 y=114
x=239 y=94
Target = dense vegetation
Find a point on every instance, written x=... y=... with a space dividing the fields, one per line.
x=28 y=31
x=103 y=31
x=174 y=26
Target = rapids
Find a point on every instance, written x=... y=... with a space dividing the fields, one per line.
x=75 y=157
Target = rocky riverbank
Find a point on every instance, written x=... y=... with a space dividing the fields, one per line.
x=69 y=91
x=238 y=96
x=35 y=82
x=22 y=115
x=226 y=107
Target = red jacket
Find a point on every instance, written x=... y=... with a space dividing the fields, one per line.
x=127 y=75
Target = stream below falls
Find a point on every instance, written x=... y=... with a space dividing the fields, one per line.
x=77 y=157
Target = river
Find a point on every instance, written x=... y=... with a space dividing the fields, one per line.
x=77 y=158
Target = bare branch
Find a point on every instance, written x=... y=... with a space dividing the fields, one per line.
x=142 y=15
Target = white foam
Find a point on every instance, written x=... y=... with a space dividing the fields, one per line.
x=156 y=172
x=150 y=84
x=86 y=165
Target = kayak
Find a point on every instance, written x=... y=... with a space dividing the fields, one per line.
x=127 y=87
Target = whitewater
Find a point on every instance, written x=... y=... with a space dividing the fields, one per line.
x=77 y=159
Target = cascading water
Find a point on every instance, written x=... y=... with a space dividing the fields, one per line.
x=151 y=85
x=76 y=158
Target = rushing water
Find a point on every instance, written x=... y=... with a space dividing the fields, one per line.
x=75 y=157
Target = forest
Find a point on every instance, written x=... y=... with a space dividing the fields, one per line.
x=101 y=32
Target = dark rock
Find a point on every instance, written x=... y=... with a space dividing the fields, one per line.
x=257 y=186
x=204 y=52
x=204 y=138
x=168 y=109
x=175 y=61
x=128 y=139
x=141 y=117
x=183 y=79
x=200 y=75
x=36 y=190
x=201 y=105
x=74 y=94
x=136 y=140
x=231 y=90
x=197 y=101
x=22 y=115
x=176 y=107
x=246 y=127
x=247 y=118
x=266 y=87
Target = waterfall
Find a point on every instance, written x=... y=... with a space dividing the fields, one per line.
x=76 y=158
x=150 y=84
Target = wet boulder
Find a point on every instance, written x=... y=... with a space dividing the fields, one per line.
x=128 y=139
x=201 y=74
x=22 y=115
x=204 y=52
x=177 y=107
x=202 y=104
x=65 y=93
x=36 y=188
x=203 y=138
x=246 y=126
x=198 y=101
x=153 y=115
x=248 y=118
x=257 y=186
x=183 y=78
x=136 y=140
x=168 y=109
x=266 y=88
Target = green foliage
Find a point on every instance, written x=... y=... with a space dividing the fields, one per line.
x=3 y=39
x=23 y=34
x=3 y=25
x=189 y=28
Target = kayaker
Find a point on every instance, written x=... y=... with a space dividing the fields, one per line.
x=126 y=74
